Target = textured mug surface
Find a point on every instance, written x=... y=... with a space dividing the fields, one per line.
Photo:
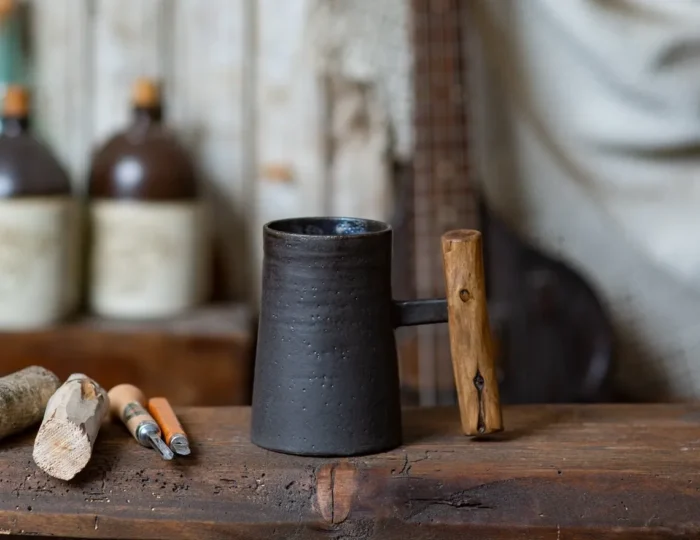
x=326 y=372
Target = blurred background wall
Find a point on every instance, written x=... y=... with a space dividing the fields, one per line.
x=290 y=107
x=370 y=108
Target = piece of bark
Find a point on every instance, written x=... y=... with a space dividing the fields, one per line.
x=74 y=414
x=470 y=336
x=23 y=398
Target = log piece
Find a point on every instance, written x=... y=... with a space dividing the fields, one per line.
x=23 y=398
x=471 y=344
x=74 y=414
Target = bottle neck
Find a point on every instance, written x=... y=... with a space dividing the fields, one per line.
x=148 y=115
x=14 y=125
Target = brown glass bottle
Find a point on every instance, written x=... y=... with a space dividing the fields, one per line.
x=149 y=255
x=39 y=258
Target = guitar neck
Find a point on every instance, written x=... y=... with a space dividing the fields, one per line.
x=442 y=196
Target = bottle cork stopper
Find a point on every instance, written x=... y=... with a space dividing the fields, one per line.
x=6 y=8
x=16 y=101
x=146 y=93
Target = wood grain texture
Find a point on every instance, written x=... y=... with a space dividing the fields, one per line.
x=360 y=181
x=204 y=358
x=62 y=79
x=88 y=53
x=332 y=108
x=473 y=359
x=130 y=41
x=208 y=96
x=71 y=423
x=361 y=49
x=290 y=119
x=290 y=108
x=368 y=44
x=574 y=472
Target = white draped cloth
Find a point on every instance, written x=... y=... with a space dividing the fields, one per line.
x=587 y=136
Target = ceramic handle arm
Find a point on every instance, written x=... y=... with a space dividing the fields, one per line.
x=414 y=312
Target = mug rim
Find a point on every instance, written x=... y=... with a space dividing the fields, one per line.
x=268 y=228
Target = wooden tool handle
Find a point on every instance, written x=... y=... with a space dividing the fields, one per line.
x=163 y=413
x=470 y=336
x=127 y=403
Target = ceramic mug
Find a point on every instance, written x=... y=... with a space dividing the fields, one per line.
x=326 y=371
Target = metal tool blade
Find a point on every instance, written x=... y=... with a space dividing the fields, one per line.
x=160 y=447
x=180 y=445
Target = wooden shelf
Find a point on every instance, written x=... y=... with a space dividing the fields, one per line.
x=202 y=358
x=596 y=471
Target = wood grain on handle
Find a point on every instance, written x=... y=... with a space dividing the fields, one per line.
x=470 y=335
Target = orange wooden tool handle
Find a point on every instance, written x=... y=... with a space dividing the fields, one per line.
x=163 y=413
x=470 y=336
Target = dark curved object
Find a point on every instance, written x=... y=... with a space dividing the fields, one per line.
x=556 y=343
x=326 y=371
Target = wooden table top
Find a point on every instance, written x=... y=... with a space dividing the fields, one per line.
x=559 y=472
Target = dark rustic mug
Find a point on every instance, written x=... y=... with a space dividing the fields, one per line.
x=326 y=371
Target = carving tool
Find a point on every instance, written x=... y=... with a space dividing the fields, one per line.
x=173 y=433
x=127 y=403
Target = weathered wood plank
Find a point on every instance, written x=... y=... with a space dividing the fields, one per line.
x=242 y=79
x=290 y=122
x=360 y=158
x=363 y=52
x=61 y=37
x=130 y=41
x=333 y=107
x=560 y=472
x=209 y=94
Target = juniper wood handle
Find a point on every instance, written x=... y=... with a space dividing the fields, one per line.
x=470 y=336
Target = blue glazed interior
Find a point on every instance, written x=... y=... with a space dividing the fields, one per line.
x=328 y=226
